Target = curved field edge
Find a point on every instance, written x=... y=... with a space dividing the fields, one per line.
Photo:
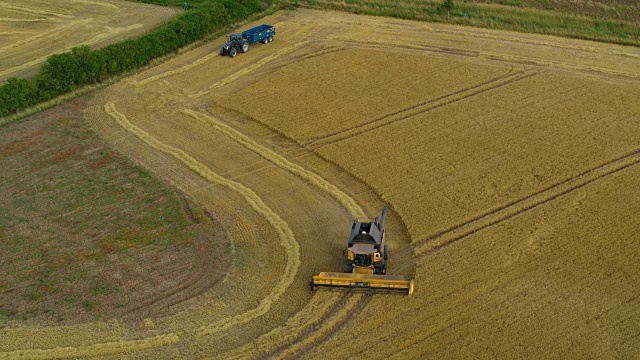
x=287 y=238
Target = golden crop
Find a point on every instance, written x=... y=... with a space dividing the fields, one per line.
x=509 y=162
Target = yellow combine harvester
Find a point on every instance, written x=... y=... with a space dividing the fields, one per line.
x=365 y=266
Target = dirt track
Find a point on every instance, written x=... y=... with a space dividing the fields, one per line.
x=508 y=240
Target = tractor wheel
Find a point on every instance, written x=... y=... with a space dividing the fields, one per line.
x=270 y=38
x=222 y=51
x=233 y=52
x=245 y=47
x=265 y=40
x=385 y=255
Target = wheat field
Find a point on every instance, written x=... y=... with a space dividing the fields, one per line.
x=31 y=30
x=509 y=163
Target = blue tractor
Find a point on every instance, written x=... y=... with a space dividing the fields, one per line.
x=239 y=42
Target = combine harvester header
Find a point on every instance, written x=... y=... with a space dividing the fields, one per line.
x=365 y=267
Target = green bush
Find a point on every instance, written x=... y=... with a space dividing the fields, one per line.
x=62 y=73
x=17 y=94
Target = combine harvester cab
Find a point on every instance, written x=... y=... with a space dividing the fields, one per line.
x=365 y=265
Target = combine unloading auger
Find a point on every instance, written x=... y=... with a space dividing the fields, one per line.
x=365 y=265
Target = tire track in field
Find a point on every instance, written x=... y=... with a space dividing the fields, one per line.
x=287 y=239
x=212 y=55
x=345 y=200
x=421 y=108
x=6 y=19
x=401 y=45
x=32 y=11
x=97 y=38
x=449 y=236
x=38 y=36
x=98 y=3
x=298 y=326
x=558 y=65
x=110 y=348
x=23 y=66
x=204 y=277
x=559 y=45
x=298 y=58
x=353 y=307
x=504 y=57
x=341 y=311
x=290 y=61
x=248 y=69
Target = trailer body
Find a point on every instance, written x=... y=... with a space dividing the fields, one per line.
x=259 y=33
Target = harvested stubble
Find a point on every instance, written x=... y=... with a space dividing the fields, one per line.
x=49 y=27
x=287 y=239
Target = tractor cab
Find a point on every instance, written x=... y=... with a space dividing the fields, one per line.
x=235 y=37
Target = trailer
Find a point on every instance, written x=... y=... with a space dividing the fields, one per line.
x=239 y=42
x=263 y=33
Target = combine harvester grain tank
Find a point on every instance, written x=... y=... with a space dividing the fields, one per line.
x=365 y=266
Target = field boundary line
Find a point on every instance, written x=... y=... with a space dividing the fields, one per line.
x=345 y=200
x=109 y=348
x=287 y=239
x=421 y=108
x=447 y=237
